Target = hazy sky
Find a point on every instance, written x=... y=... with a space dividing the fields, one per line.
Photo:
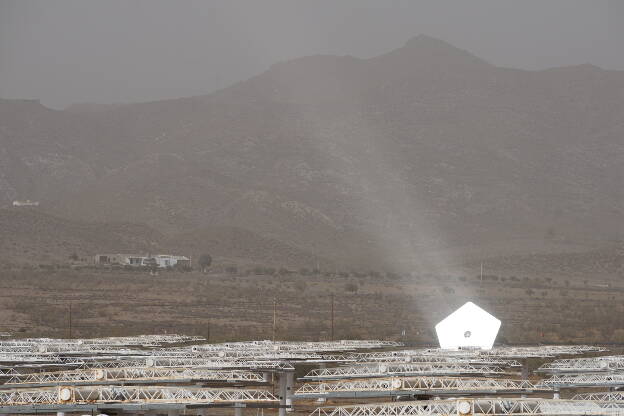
x=122 y=50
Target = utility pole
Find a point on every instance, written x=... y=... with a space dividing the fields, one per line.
x=274 y=317
x=332 y=316
x=481 y=272
x=70 y=320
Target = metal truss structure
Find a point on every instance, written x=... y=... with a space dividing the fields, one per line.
x=17 y=349
x=131 y=376
x=543 y=351
x=243 y=355
x=411 y=356
x=28 y=358
x=40 y=349
x=8 y=373
x=611 y=396
x=343 y=345
x=584 y=380
x=66 y=395
x=423 y=360
x=500 y=354
x=581 y=365
x=90 y=349
x=477 y=407
x=400 y=369
x=262 y=355
x=140 y=340
x=416 y=386
x=195 y=363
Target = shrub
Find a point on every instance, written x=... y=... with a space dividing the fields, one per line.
x=351 y=287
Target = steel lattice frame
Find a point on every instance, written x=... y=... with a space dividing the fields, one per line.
x=416 y=356
x=421 y=385
x=399 y=369
x=477 y=407
x=544 y=351
x=132 y=394
x=29 y=358
x=127 y=375
x=141 y=340
x=611 y=396
x=194 y=363
x=9 y=372
x=344 y=345
x=585 y=380
x=579 y=365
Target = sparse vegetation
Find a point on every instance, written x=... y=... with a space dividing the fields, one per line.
x=204 y=262
x=351 y=287
x=34 y=299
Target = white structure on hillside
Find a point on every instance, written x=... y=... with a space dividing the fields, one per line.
x=25 y=203
x=468 y=327
x=160 y=260
x=170 y=260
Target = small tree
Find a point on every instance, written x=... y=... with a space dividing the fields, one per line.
x=204 y=262
x=351 y=287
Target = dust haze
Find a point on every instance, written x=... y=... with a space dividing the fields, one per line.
x=405 y=157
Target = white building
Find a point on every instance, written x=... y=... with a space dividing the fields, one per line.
x=25 y=203
x=169 y=260
x=160 y=260
x=468 y=327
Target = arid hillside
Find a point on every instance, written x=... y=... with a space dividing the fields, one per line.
x=396 y=160
x=34 y=238
x=31 y=237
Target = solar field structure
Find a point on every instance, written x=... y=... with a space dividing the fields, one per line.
x=174 y=374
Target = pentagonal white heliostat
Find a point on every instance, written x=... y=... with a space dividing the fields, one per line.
x=468 y=327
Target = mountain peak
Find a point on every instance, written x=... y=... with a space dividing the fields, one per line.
x=424 y=40
x=433 y=51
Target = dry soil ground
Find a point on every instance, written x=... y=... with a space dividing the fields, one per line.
x=533 y=308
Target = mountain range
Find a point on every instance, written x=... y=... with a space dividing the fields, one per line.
x=420 y=157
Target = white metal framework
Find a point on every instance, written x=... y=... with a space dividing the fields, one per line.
x=611 y=396
x=416 y=356
x=8 y=373
x=585 y=380
x=477 y=407
x=399 y=369
x=419 y=385
x=580 y=365
x=28 y=358
x=131 y=394
x=128 y=375
x=191 y=363
x=94 y=369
